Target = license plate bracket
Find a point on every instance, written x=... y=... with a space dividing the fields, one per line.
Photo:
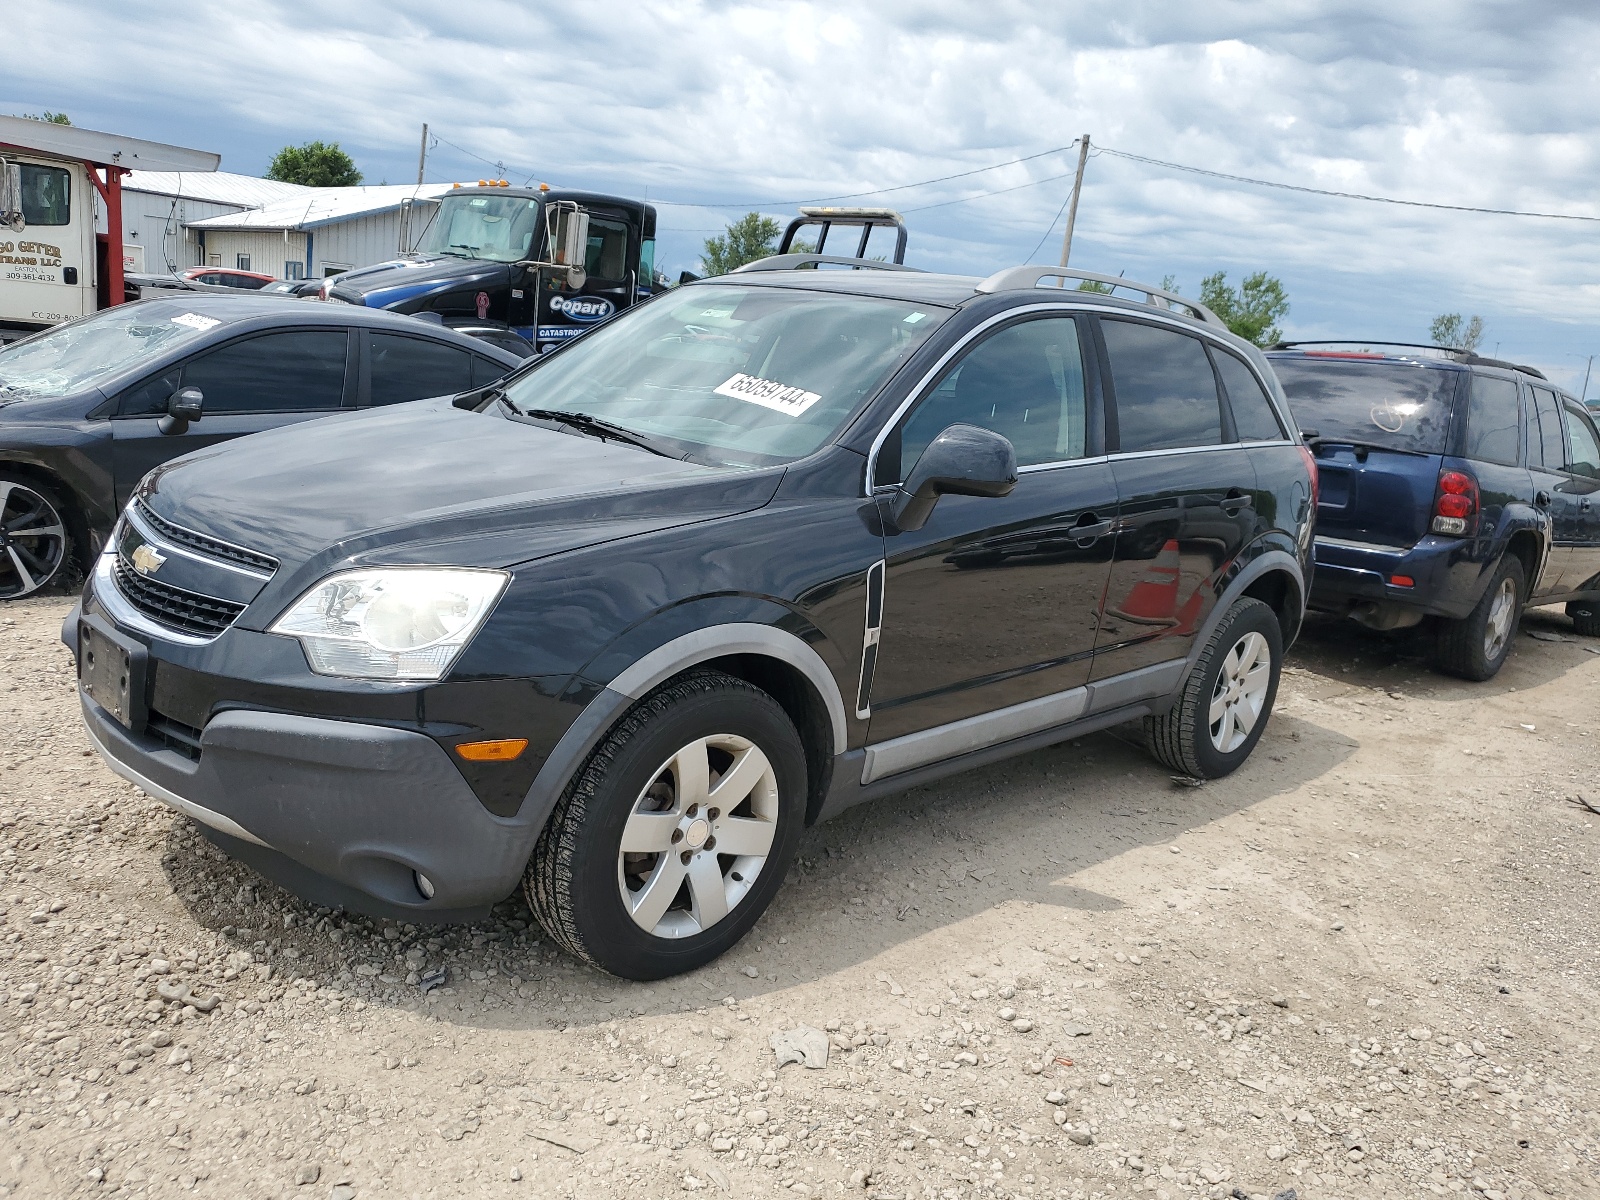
x=112 y=671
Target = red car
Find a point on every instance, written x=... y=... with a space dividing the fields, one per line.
x=228 y=277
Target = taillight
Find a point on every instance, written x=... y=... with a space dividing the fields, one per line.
x=1456 y=503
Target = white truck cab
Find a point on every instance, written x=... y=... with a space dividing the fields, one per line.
x=58 y=185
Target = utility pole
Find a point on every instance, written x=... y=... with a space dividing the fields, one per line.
x=1586 y=371
x=1077 y=187
x=422 y=156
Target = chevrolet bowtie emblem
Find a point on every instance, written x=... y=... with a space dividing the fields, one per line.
x=147 y=560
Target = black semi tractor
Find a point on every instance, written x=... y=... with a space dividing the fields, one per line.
x=524 y=268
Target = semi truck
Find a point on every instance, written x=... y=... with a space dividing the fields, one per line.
x=526 y=267
x=56 y=182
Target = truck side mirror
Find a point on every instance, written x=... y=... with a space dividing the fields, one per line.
x=569 y=240
x=183 y=406
x=11 y=197
x=964 y=460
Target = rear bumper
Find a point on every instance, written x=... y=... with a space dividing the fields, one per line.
x=1448 y=574
x=342 y=813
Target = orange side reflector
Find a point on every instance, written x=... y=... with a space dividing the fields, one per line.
x=1402 y=581
x=503 y=750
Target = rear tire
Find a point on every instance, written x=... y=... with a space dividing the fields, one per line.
x=1227 y=699
x=1476 y=646
x=1585 y=616
x=647 y=868
x=35 y=538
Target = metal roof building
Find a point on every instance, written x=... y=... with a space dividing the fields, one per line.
x=159 y=206
x=316 y=232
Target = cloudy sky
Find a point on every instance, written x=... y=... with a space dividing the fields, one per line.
x=710 y=108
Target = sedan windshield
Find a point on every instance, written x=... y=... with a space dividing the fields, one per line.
x=496 y=227
x=753 y=375
x=75 y=356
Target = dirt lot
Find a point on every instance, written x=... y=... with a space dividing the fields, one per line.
x=1365 y=966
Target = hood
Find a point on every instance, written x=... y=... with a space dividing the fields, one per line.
x=430 y=483
x=403 y=283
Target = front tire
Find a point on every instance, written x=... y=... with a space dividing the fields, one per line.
x=35 y=539
x=1227 y=699
x=677 y=833
x=1476 y=646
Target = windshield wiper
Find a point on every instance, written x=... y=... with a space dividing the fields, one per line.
x=598 y=426
x=1360 y=444
x=472 y=251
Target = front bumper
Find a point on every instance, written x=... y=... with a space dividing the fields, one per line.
x=1448 y=574
x=342 y=813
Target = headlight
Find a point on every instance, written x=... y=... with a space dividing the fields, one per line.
x=395 y=623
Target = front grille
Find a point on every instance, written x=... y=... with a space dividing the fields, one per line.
x=185 y=739
x=187 y=612
x=201 y=544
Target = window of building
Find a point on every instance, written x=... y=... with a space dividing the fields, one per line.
x=242 y=261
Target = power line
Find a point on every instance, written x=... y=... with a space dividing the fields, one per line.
x=1292 y=187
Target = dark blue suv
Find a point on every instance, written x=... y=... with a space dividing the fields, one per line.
x=1453 y=487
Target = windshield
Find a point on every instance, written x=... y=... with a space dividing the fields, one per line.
x=751 y=375
x=72 y=357
x=501 y=228
x=1394 y=405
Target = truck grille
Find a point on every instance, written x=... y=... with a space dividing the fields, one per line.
x=187 y=612
x=201 y=544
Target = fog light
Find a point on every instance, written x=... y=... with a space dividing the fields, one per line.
x=424 y=885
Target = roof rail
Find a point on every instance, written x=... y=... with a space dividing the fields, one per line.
x=1023 y=278
x=796 y=262
x=1454 y=353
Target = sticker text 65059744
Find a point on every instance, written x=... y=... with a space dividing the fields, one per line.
x=780 y=397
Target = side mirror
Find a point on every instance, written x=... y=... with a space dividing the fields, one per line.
x=183 y=406
x=569 y=240
x=11 y=197
x=964 y=460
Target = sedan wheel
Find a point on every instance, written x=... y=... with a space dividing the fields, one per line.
x=34 y=541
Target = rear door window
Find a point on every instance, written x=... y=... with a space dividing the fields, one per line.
x=1253 y=416
x=298 y=371
x=1492 y=427
x=408 y=368
x=1392 y=405
x=1166 y=392
x=1547 y=441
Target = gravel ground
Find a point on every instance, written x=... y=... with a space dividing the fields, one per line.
x=1364 y=966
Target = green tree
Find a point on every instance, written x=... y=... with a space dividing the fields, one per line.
x=1251 y=310
x=1448 y=329
x=53 y=117
x=1094 y=285
x=315 y=164
x=751 y=237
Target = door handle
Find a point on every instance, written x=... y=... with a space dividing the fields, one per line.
x=1234 y=502
x=1542 y=498
x=1584 y=504
x=1089 y=529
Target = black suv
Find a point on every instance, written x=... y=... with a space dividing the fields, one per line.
x=1453 y=487
x=765 y=547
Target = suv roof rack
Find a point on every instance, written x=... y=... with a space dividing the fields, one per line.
x=1465 y=357
x=1023 y=278
x=865 y=219
x=796 y=262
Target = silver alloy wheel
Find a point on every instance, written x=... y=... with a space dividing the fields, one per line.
x=33 y=541
x=1241 y=691
x=1502 y=613
x=698 y=835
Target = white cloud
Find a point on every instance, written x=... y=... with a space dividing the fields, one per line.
x=1471 y=103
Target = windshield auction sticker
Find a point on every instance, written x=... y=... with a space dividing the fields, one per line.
x=780 y=397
